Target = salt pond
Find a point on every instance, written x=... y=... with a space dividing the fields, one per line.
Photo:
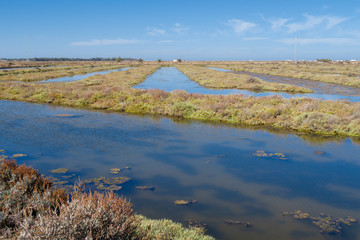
x=234 y=174
x=83 y=76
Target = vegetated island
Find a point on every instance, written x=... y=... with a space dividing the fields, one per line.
x=114 y=92
x=342 y=72
x=56 y=71
x=213 y=79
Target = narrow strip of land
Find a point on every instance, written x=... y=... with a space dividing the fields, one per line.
x=40 y=74
x=214 y=79
x=344 y=73
x=114 y=92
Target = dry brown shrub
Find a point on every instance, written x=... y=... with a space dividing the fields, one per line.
x=87 y=216
x=24 y=193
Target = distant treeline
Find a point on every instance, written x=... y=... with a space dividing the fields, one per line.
x=71 y=59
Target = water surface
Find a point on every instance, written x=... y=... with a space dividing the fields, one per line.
x=81 y=77
x=213 y=164
x=170 y=78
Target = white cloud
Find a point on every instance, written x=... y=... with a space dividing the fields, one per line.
x=333 y=21
x=278 y=23
x=313 y=21
x=165 y=41
x=240 y=26
x=102 y=42
x=155 y=31
x=254 y=38
x=179 y=29
x=332 y=41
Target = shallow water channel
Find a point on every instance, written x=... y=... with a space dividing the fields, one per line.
x=81 y=77
x=217 y=165
x=170 y=78
x=328 y=91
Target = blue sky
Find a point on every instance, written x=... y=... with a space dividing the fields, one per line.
x=191 y=30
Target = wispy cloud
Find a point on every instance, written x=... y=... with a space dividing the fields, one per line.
x=313 y=21
x=165 y=41
x=277 y=24
x=97 y=42
x=155 y=31
x=179 y=29
x=333 y=21
x=240 y=26
x=254 y=38
x=332 y=41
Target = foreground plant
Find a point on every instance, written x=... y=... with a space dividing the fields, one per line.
x=24 y=193
x=87 y=216
x=30 y=208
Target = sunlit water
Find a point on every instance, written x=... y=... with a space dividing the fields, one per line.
x=83 y=76
x=213 y=164
x=170 y=78
x=328 y=91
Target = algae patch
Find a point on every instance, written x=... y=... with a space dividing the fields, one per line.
x=60 y=170
x=64 y=115
x=184 y=202
x=115 y=170
x=148 y=188
x=109 y=184
x=237 y=222
x=327 y=224
x=263 y=154
x=19 y=155
x=196 y=224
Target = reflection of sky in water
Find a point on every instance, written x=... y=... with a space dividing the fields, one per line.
x=83 y=76
x=170 y=78
x=191 y=160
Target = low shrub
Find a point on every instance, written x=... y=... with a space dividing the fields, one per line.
x=87 y=216
x=31 y=209
x=24 y=193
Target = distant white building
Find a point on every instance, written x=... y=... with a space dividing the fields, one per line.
x=175 y=60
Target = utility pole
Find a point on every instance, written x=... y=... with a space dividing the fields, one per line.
x=295 y=49
x=27 y=49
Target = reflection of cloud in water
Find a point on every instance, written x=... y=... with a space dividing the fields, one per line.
x=345 y=191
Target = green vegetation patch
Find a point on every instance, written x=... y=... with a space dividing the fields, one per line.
x=343 y=73
x=327 y=224
x=17 y=155
x=109 y=184
x=114 y=92
x=148 y=188
x=214 y=79
x=60 y=170
x=263 y=154
x=184 y=202
x=166 y=229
